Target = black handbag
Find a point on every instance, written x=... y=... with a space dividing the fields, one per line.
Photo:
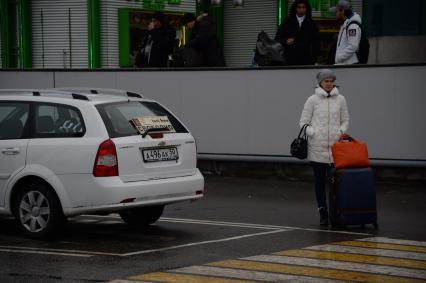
x=299 y=146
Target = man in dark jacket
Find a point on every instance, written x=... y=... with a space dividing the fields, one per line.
x=299 y=35
x=204 y=39
x=157 y=44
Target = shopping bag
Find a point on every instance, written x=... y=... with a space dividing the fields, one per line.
x=350 y=153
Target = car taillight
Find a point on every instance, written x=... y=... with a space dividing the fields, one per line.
x=106 y=164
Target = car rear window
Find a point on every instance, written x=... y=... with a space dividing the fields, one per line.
x=116 y=116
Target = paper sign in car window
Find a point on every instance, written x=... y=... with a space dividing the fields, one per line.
x=153 y=123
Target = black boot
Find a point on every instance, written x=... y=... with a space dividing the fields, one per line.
x=323 y=216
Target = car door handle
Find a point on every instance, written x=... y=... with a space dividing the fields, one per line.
x=10 y=151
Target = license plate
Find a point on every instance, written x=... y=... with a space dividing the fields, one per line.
x=160 y=154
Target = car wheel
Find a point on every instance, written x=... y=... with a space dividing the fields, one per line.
x=143 y=216
x=37 y=210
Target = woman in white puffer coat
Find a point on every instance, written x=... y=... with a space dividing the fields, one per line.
x=327 y=115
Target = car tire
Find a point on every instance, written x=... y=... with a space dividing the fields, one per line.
x=37 y=210
x=143 y=216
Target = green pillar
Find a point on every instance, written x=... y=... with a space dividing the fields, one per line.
x=25 y=34
x=282 y=11
x=4 y=33
x=216 y=12
x=124 y=37
x=10 y=46
x=201 y=7
x=94 y=33
x=217 y=15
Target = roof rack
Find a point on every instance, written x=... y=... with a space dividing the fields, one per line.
x=34 y=92
x=91 y=90
x=79 y=96
x=43 y=92
x=133 y=94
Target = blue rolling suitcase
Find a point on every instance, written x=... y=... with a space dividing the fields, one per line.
x=352 y=198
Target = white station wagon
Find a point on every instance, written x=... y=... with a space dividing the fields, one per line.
x=71 y=152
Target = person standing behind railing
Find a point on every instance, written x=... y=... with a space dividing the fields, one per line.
x=204 y=39
x=157 y=44
x=299 y=35
x=349 y=39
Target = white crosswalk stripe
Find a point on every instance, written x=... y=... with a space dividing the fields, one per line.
x=388 y=261
x=393 y=241
x=250 y=274
x=352 y=266
x=367 y=251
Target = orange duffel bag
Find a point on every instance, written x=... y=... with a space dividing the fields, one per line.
x=350 y=153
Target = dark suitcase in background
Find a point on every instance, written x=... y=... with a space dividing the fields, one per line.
x=352 y=198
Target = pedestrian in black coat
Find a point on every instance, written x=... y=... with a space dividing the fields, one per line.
x=299 y=35
x=157 y=44
x=204 y=39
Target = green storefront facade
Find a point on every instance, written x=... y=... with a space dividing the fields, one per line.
x=104 y=33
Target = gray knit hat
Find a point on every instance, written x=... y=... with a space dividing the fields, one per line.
x=341 y=5
x=325 y=74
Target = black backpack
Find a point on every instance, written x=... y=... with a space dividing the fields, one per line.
x=364 y=45
x=268 y=51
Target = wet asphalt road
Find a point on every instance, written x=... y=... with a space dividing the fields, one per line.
x=238 y=217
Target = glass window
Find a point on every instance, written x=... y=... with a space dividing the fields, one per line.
x=116 y=117
x=13 y=120
x=56 y=120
